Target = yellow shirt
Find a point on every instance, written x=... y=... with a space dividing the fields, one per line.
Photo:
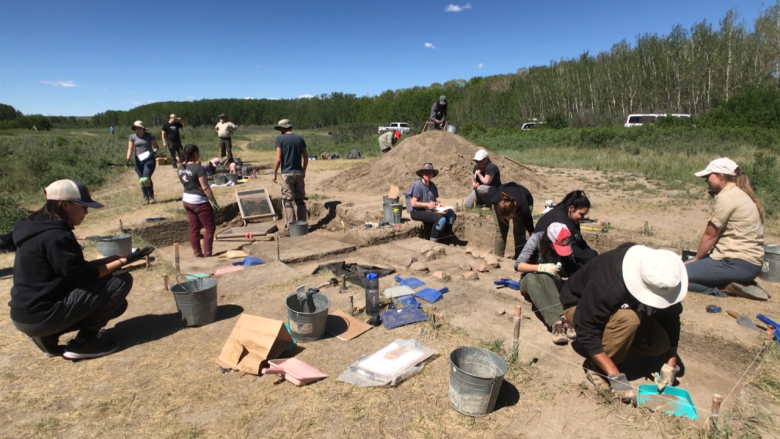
x=741 y=229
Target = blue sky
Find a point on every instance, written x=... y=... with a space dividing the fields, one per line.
x=78 y=58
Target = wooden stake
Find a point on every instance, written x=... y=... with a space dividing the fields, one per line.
x=278 y=258
x=165 y=281
x=148 y=262
x=516 y=339
x=351 y=307
x=344 y=285
x=769 y=335
x=715 y=412
x=176 y=257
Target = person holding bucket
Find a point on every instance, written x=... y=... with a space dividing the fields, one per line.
x=198 y=201
x=145 y=146
x=55 y=289
x=422 y=206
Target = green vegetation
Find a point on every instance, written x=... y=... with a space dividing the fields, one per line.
x=340 y=140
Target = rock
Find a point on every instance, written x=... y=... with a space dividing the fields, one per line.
x=471 y=275
x=418 y=266
x=425 y=249
x=465 y=266
x=484 y=255
x=429 y=255
x=482 y=268
x=500 y=312
x=409 y=261
x=441 y=275
x=440 y=250
x=492 y=261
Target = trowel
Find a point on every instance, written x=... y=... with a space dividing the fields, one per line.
x=304 y=295
x=743 y=320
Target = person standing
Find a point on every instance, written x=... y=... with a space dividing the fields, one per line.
x=439 y=113
x=486 y=176
x=145 y=147
x=172 y=138
x=198 y=201
x=731 y=251
x=292 y=158
x=386 y=141
x=225 y=129
x=112 y=129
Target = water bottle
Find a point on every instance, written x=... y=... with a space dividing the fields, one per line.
x=396 y=214
x=372 y=298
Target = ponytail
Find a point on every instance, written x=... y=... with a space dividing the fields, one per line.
x=575 y=198
x=190 y=151
x=546 y=249
x=506 y=207
x=743 y=182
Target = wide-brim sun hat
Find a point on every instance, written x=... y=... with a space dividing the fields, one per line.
x=222 y=116
x=283 y=125
x=427 y=167
x=138 y=124
x=656 y=278
x=71 y=191
x=723 y=165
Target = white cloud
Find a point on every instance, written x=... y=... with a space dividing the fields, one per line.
x=190 y=97
x=479 y=65
x=68 y=83
x=135 y=102
x=306 y=96
x=248 y=98
x=273 y=99
x=456 y=8
x=103 y=89
x=429 y=46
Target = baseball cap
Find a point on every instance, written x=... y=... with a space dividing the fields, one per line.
x=172 y=115
x=560 y=236
x=480 y=155
x=722 y=165
x=443 y=100
x=70 y=190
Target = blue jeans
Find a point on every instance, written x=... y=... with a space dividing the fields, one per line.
x=706 y=275
x=146 y=169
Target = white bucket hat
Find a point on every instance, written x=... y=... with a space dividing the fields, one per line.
x=722 y=165
x=656 y=278
x=138 y=124
x=480 y=155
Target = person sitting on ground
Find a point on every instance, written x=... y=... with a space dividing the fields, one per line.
x=486 y=176
x=541 y=277
x=570 y=211
x=386 y=141
x=512 y=202
x=731 y=251
x=145 y=147
x=211 y=166
x=439 y=113
x=422 y=203
x=198 y=201
x=55 y=289
x=627 y=299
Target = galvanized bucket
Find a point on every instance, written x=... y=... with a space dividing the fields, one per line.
x=452 y=129
x=116 y=245
x=307 y=320
x=196 y=301
x=299 y=228
x=387 y=208
x=476 y=376
x=232 y=177
x=770 y=271
x=220 y=179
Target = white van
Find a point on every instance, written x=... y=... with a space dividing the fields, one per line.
x=637 y=120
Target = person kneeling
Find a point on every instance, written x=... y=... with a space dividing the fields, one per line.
x=422 y=202
x=55 y=290
x=540 y=279
x=627 y=299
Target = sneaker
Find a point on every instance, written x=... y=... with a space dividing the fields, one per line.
x=146 y=201
x=559 y=334
x=97 y=347
x=750 y=290
x=49 y=345
x=151 y=200
x=569 y=327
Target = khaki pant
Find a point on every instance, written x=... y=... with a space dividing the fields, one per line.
x=293 y=191
x=621 y=335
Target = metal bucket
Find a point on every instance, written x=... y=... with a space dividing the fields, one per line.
x=476 y=376
x=770 y=271
x=387 y=208
x=299 y=228
x=220 y=179
x=452 y=129
x=196 y=301
x=232 y=177
x=116 y=245
x=307 y=320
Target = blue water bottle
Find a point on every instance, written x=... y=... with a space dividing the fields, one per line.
x=372 y=298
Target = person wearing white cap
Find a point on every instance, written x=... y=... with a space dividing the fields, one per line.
x=143 y=146
x=627 y=299
x=171 y=138
x=540 y=265
x=731 y=250
x=55 y=289
x=485 y=176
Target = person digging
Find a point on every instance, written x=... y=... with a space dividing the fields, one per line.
x=627 y=299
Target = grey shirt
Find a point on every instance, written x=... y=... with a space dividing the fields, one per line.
x=142 y=144
x=293 y=147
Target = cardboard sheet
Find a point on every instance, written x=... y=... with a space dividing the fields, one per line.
x=345 y=327
x=253 y=341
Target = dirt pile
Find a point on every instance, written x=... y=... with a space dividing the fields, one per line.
x=451 y=154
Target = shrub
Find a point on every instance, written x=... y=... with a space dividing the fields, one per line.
x=765 y=175
x=10 y=211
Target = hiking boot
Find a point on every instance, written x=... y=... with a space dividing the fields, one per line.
x=750 y=290
x=559 y=334
x=151 y=200
x=77 y=349
x=569 y=328
x=49 y=345
x=146 y=201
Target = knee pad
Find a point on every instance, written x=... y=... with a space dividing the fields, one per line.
x=287 y=203
x=440 y=224
x=145 y=181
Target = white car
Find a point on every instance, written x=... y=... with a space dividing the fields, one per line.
x=530 y=125
x=403 y=127
x=637 y=120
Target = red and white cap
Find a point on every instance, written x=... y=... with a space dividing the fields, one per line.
x=560 y=236
x=70 y=190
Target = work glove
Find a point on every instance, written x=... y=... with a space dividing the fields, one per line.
x=139 y=254
x=548 y=268
x=128 y=163
x=621 y=387
x=215 y=206
x=666 y=376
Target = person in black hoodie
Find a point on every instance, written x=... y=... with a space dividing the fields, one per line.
x=627 y=299
x=574 y=207
x=512 y=202
x=55 y=290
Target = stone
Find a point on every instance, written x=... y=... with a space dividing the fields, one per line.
x=425 y=249
x=501 y=312
x=484 y=255
x=471 y=275
x=429 y=255
x=482 y=268
x=465 y=266
x=492 y=261
x=441 y=275
x=409 y=261
x=440 y=250
x=418 y=266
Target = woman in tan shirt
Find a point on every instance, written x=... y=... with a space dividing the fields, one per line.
x=731 y=251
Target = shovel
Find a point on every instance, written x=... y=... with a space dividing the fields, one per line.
x=743 y=320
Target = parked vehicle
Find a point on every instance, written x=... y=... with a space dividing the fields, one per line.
x=530 y=125
x=637 y=120
x=403 y=127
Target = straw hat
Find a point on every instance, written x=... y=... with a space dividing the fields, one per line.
x=138 y=124
x=656 y=278
x=427 y=167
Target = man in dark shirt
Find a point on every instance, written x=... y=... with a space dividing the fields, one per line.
x=486 y=175
x=172 y=139
x=293 y=159
x=439 y=113
x=627 y=299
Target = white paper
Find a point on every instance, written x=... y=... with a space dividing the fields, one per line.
x=144 y=156
x=443 y=209
x=380 y=364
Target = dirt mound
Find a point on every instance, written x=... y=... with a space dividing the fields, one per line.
x=451 y=154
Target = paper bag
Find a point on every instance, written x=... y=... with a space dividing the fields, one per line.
x=253 y=341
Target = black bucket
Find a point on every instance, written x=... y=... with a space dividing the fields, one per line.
x=476 y=376
x=196 y=301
